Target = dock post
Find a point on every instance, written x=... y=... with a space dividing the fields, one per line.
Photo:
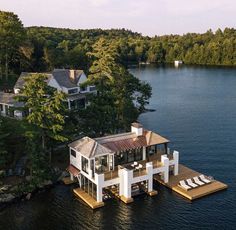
x=165 y=161
x=149 y=168
x=99 y=179
x=176 y=162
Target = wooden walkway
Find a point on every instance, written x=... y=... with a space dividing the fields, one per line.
x=186 y=173
x=88 y=199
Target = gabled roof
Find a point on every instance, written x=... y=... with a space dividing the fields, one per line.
x=89 y=148
x=64 y=79
x=9 y=99
x=21 y=80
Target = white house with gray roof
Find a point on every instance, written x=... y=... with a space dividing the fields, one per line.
x=65 y=80
x=9 y=106
x=123 y=163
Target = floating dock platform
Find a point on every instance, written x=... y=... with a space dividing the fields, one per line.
x=87 y=198
x=195 y=193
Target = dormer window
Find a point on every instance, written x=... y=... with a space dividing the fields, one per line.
x=72 y=91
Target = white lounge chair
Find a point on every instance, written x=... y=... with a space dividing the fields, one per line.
x=204 y=179
x=190 y=183
x=183 y=185
x=197 y=181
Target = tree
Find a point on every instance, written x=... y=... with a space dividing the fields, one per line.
x=3 y=152
x=46 y=110
x=12 y=35
x=120 y=96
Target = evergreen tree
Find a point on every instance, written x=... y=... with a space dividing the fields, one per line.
x=12 y=35
x=46 y=109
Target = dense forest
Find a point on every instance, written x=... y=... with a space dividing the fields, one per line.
x=43 y=48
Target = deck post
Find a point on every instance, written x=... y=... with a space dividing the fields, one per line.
x=127 y=182
x=149 y=168
x=144 y=153
x=99 y=179
x=165 y=161
x=176 y=162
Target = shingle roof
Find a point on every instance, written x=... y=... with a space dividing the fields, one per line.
x=21 y=80
x=88 y=147
x=62 y=76
x=8 y=98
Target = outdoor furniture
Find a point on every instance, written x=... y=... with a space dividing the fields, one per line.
x=197 y=181
x=183 y=185
x=204 y=179
x=190 y=183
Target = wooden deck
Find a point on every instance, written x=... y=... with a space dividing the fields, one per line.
x=88 y=199
x=67 y=181
x=195 y=193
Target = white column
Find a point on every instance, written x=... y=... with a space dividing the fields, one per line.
x=176 y=162
x=121 y=180
x=165 y=161
x=144 y=153
x=149 y=168
x=68 y=104
x=128 y=176
x=71 y=177
x=99 y=179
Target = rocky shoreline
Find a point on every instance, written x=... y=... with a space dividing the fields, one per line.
x=10 y=193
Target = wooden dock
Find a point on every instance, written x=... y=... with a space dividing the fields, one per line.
x=67 y=181
x=88 y=199
x=195 y=193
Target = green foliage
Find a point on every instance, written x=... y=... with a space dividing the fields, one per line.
x=3 y=151
x=120 y=96
x=46 y=108
x=11 y=38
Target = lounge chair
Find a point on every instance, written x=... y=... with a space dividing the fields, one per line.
x=183 y=185
x=197 y=181
x=190 y=183
x=204 y=179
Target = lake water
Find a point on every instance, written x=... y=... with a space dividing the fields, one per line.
x=196 y=110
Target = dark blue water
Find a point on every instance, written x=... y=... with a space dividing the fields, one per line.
x=196 y=110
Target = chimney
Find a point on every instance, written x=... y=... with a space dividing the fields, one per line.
x=137 y=129
x=72 y=74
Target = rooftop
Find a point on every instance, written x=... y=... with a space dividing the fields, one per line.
x=64 y=77
x=21 y=80
x=9 y=99
x=116 y=143
x=67 y=78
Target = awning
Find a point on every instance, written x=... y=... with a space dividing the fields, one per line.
x=73 y=170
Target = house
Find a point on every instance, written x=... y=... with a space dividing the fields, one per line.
x=65 y=80
x=123 y=162
x=9 y=106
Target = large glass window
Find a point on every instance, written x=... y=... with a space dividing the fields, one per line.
x=128 y=156
x=131 y=155
x=84 y=164
x=101 y=164
x=138 y=154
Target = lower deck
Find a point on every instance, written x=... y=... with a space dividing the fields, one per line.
x=89 y=200
x=184 y=173
x=195 y=193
